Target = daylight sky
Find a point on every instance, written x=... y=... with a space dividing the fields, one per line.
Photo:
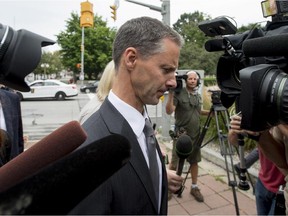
x=48 y=17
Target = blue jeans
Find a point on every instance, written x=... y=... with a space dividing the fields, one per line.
x=265 y=200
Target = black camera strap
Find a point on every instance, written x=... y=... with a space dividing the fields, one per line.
x=280 y=208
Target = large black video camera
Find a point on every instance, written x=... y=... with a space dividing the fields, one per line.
x=179 y=81
x=20 y=53
x=253 y=69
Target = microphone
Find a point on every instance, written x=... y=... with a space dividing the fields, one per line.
x=183 y=150
x=59 y=187
x=54 y=146
x=274 y=45
x=214 y=45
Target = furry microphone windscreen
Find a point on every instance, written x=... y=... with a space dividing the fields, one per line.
x=54 y=146
x=59 y=187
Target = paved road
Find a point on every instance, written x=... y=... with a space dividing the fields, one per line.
x=40 y=118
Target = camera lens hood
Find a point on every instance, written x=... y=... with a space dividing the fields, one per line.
x=20 y=53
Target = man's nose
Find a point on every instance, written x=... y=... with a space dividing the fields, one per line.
x=171 y=83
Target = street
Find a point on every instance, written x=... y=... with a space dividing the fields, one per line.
x=41 y=117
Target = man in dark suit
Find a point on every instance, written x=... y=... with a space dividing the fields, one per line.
x=12 y=143
x=145 y=53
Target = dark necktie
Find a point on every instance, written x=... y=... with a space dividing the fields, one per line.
x=153 y=165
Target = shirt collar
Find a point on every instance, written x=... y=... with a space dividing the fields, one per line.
x=135 y=119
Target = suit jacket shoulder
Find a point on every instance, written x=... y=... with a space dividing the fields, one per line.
x=12 y=113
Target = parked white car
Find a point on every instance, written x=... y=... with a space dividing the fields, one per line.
x=54 y=89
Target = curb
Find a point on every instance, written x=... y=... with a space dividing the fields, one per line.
x=219 y=160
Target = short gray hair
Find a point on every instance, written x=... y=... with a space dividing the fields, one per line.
x=144 y=34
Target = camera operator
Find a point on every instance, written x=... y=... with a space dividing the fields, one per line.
x=274 y=145
x=187 y=106
x=270 y=177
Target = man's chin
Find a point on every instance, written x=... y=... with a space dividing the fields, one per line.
x=155 y=101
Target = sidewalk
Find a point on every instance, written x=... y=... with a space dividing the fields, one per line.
x=219 y=197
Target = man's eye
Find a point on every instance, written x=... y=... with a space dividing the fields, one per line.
x=168 y=70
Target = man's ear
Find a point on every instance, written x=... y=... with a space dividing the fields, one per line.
x=130 y=57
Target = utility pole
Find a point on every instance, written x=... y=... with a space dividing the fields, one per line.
x=86 y=20
x=164 y=9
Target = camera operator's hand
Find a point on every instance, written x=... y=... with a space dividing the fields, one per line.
x=235 y=130
x=206 y=112
x=170 y=108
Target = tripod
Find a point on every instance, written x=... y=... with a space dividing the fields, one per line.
x=216 y=110
x=219 y=111
x=221 y=114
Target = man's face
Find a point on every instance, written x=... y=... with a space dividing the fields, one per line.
x=154 y=75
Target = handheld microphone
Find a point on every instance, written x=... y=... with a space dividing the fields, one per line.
x=215 y=45
x=274 y=45
x=222 y=44
x=54 y=146
x=183 y=150
x=60 y=186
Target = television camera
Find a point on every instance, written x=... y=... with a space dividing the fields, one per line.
x=179 y=81
x=20 y=53
x=252 y=72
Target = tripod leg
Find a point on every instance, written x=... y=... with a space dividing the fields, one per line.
x=248 y=174
x=226 y=149
x=200 y=138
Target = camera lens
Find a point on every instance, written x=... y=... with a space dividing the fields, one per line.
x=265 y=86
x=273 y=95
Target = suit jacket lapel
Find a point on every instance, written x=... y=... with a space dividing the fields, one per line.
x=120 y=126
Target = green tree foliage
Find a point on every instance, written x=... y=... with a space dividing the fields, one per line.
x=52 y=63
x=97 y=46
x=193 y=54
x=249 y=27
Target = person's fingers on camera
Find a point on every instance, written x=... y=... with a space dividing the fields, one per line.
x=235 y=125
x=236 y=118
x=253 y=133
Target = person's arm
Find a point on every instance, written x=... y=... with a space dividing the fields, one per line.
x=283 y=129
x=273 y=150
x=174 y=181
x=205 y=112
x=283 y=171
x=170 y=108
x=235 y=129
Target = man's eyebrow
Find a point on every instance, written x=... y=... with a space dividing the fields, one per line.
x=171 y=67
